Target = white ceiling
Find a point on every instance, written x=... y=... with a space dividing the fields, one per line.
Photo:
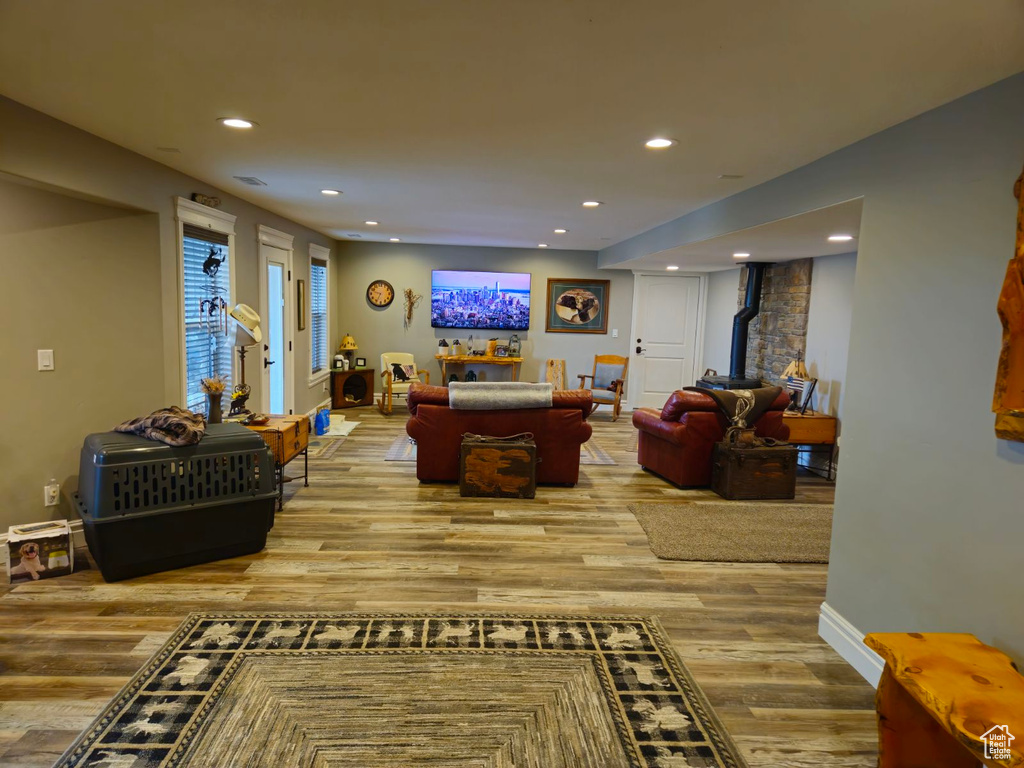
x=488 y=123
x=797 y=237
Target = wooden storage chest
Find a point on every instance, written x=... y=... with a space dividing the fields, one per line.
x=498 y=466
x=754 y=473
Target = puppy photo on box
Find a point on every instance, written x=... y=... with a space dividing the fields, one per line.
x=39 y=551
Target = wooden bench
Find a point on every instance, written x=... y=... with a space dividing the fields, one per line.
x=943 y=698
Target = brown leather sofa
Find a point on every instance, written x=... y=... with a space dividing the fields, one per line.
x=677 y=442
x=559 y=432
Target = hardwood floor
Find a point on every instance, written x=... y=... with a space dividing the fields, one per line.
x=366 y=535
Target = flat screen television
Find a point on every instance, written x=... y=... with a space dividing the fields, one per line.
x=494 y=300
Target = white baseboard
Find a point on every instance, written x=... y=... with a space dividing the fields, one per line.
x=312 y=414
x=848 y=642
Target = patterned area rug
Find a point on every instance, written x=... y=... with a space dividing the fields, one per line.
x=376 y=691
x=737 y=532
x=591 y=452
x=324 y=447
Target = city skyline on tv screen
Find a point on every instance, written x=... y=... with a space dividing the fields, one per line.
x=467 y=299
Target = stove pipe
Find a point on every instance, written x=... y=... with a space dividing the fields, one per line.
x=741 y=322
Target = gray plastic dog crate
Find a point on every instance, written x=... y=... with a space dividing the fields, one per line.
x=149 y=507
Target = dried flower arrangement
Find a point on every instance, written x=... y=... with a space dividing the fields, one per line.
x=215 y=385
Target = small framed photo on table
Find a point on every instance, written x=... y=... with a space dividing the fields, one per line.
x=501 y=350
x=360 y=362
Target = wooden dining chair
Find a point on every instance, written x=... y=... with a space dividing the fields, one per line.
x=607 y=382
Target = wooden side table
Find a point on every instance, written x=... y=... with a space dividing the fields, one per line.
x=946 y=700
x=287 y=437
x=351 y=388
x=811 y=431
x=446 y=360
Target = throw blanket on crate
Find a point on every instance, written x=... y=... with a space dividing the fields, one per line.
x=498 y=395
x=173 y=426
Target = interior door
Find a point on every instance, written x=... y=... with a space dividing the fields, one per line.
x=664 y=342
x=275 y=356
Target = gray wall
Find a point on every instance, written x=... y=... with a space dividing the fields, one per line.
x=79 y=280
x=718 y=323
x=409 y=266
x=828 y=329
x=45 y=150
x=925 y=484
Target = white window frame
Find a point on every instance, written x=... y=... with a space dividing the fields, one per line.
x=323 y=254
x=189 y=212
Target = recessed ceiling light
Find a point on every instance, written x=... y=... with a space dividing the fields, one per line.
x=730 y=176
x=561 y=231
x=592 y=203
x=671 y=267
x=329 y=192
x=660 y=143
x=394 y=239
x=371 y=223
x=741 y=255
x=542 y=245
x=236 y=122
x=839 y=238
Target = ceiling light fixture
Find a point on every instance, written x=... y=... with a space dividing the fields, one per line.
x=741 y=255
x=671 y=267
x=330 y=192
x=561 y=231
x=592 y=203
x=371 y=223
x=394 y=239
x=542 y=245
x=839 y=238
x=659 y=143
x=730 y=176
x=235 y=122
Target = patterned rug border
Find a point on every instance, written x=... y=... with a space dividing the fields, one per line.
x=718 y=736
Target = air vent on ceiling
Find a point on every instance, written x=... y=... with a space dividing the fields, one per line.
x=353 y=234
x=252 y=181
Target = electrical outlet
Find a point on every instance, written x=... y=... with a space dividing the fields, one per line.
x=51 y=494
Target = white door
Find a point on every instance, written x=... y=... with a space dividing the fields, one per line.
x=663 y=347
x=276 y=315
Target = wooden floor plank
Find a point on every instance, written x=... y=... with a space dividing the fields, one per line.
x=366 y=536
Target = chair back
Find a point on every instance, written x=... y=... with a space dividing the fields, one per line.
x=609 y=368
x=388 y=361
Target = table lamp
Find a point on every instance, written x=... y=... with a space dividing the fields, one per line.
x=348 y=346
x=247 y=334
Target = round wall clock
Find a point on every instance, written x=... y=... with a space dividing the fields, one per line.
x=380 y=293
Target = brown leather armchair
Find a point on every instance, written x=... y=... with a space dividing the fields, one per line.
x=677 y=442
x=558 y=431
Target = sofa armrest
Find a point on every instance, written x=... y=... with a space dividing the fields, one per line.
x=649 y=420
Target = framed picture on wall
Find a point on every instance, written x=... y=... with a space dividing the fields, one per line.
x=577 y=306
x=300 y=293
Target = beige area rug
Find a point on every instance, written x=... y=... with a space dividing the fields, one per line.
x=324 y=446
x=737 y=532
x=298 y=690
x=591 y=452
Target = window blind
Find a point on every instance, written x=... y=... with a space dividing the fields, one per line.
x=208 y=342
x=319 y=351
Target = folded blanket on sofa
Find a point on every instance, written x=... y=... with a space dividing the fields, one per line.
x=498 y=395
x=173 y=426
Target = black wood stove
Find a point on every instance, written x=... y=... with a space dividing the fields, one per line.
x=737 y=378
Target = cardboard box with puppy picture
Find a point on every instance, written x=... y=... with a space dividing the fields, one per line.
x=39 y=551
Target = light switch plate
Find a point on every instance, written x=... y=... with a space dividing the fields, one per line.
x=615 y=333
x=45 y=357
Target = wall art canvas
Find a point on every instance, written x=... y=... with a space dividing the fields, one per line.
x=577 y=306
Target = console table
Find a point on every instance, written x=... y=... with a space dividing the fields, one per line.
x=446 y=360
x=287 y=437
x=813 y=431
